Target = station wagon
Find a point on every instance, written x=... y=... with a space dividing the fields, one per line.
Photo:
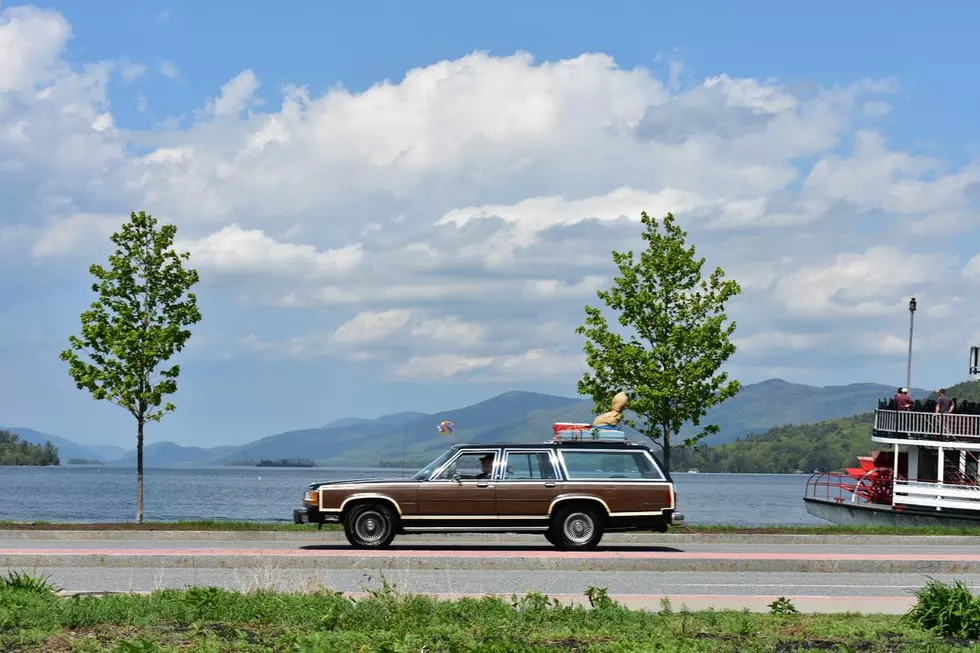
x=572 y=492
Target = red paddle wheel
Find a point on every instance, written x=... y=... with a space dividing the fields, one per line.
x=876 y=486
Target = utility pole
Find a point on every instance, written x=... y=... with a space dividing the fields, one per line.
x=908 y=371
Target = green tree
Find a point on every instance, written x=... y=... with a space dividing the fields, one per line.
x=138 y=322
x=676 y=342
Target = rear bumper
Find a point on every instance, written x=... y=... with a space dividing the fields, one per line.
x=310 y=515
x=677 y=518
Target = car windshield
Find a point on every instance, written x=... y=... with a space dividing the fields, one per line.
x=424 y=473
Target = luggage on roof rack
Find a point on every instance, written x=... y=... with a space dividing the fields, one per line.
x=576 y=432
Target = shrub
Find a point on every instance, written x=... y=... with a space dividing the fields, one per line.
x=949 y=610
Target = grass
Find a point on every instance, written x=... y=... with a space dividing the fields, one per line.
x=211 y=619
x=213 y=525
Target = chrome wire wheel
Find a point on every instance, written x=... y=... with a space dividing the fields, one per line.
x=578 y=528
x=370 y=527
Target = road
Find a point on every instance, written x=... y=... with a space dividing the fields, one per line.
x=818 y=574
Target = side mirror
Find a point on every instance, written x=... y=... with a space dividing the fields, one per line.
x=458 y=478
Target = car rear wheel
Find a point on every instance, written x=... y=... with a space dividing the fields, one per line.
x=577 y=527
x=370 y=526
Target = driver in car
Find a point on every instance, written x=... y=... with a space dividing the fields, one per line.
x=487 y=464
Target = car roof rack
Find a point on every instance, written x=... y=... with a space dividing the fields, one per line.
x=578 y=432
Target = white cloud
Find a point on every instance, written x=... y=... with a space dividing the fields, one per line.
x=169 y=70
x=555 y=288
x=875 y=282
x=74 y=234
x=443 y=366
x=236 y=95
x=972 y=268
x=234 y=250
x=31 y=41
x=531 y=364
x=371 y=326
x=450 y=330
x=474 y=200
x=131 y=71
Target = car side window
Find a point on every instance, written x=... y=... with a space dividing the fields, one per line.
x=529 y=465
x=594 y=465
x=469 y=465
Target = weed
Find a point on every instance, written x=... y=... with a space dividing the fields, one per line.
x=599 y=597
x=17 y=580
x=951 y=610
x=782 y=605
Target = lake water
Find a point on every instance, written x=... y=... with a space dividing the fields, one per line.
x=108 y=494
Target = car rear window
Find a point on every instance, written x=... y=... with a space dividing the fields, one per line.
x=585 y=465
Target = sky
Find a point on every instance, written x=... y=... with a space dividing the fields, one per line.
x=406 y=206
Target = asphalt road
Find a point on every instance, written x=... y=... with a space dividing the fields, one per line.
x=640 y=573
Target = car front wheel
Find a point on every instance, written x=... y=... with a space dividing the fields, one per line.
x=370 y=526
x=577 y=527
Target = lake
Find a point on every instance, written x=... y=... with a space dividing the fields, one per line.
x=108 y=494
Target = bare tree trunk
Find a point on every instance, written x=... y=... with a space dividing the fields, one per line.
x=666 y=448
x=139 y=473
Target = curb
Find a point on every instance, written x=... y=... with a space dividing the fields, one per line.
x=338 y=536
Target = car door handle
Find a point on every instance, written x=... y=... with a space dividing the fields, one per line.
x=483 y=485
x=549 y=485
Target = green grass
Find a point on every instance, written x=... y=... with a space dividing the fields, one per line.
x=208 y=525
x=210 y=619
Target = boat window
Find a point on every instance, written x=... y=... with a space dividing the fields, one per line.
x=595 y=465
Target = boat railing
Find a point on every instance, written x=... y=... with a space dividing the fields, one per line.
x=839 y=487
x=937 y=495
x=915 y=425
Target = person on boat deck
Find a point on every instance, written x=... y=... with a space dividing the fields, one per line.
x=902 y=399
x=943 y=402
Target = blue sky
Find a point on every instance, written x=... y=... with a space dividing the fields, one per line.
x=429 y=243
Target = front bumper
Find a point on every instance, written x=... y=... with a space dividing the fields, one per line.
x=310 y=515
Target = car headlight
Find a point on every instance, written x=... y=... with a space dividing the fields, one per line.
x=311 y=496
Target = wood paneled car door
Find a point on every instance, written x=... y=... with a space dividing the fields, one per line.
x=528 y=484
x=462 y=493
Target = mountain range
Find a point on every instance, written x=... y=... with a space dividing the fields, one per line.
x=512 y=416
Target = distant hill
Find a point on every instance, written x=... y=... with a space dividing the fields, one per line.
x=167 y=454
x=396 y=419
x=66 y=448
x=760 y=406
x=965 y=391
x=825 y=446
x=512 y=416
x=374 y=440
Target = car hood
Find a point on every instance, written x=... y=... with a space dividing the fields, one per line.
x=361 y=481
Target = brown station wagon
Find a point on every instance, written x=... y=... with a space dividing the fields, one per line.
x=569 y=491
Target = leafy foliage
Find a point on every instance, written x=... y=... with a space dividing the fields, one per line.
x=948 y=609
x=14 y=451
x=782 y=605
x=138 y=322
x=669 y=365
